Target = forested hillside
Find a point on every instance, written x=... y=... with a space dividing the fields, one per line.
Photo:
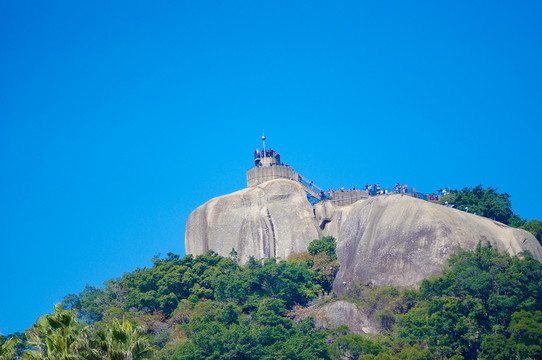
x=485 y=305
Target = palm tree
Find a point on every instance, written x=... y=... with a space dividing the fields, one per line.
x=8 y=349
x=122 y=341
x=57 y=336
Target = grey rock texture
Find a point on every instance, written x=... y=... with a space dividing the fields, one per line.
x=273 y=219
x=386 y=240
x=399 y=240
x=337 y=313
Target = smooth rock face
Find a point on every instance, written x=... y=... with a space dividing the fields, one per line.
x=399 y=240
x=340 y=313
x=273 y=219
x=332 y=314
x=385 y=240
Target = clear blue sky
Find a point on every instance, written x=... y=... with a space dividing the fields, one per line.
x=118 y=118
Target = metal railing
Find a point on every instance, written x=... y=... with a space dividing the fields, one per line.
x=310 y=185
x=328 y=196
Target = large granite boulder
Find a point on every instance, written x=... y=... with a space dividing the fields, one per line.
x=273 y=219
x=336 y=313
x=399 y=240
x=385 y=240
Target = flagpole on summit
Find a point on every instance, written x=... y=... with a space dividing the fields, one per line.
x=263 y=139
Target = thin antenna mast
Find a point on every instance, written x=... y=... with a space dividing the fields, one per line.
x=263 y=139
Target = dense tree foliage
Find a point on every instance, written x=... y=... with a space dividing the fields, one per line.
x=8 y=347
x=326 y=245
x=522 y=339
x=58 y=336
x=209 y=306
x=322 y=260
x=484 y=202
x=534 y=227
x=485 y=305
x=477 y=296
x=120 y=340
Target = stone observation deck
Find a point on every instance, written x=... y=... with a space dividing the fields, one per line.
x=267 y=166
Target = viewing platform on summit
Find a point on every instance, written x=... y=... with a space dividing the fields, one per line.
x=267 y=166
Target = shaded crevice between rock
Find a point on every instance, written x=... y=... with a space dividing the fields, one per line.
x=205 y=235
x=273 y=235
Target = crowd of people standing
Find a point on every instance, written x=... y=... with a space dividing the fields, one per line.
x=376 y=189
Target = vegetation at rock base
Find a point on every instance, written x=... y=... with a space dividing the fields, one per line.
x=326 y=245
x=476 y=297
x=485 y=305
x=322 y=260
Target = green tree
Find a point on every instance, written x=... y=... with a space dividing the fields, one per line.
x=484 y=202
x=120 y=340
x=535 y=228
x=57 y=336
x=521 y=340
x=8 y=350
x=326 y=245
x=473 y=302
x=414 y=352
x=352 y=346
x=89 y=304
x=516 y=221
x=322 y=260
